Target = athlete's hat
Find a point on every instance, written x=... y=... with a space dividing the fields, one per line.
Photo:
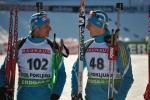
x=38 y=19
x=98 y=18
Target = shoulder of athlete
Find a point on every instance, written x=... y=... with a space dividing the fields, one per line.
x=124 y=53
x=124 y=45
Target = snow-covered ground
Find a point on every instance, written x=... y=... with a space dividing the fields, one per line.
x=139 y=64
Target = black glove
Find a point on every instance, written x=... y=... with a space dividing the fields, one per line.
x=107 y=39
x=111 y=99
x=54 y=97
x=2 y=93
x=77 y=97
x=9 y=95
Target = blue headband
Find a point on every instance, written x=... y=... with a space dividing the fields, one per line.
x=99 y=19
x=38 y=19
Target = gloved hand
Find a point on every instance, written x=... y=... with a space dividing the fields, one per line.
x=54 y=97
x=9 y=95
x=77 y=97
x=6 y=94
x=2 y=93
x=111 y=99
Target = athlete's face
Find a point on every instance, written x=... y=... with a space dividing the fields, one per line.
x=42 y=31
x=94 y=30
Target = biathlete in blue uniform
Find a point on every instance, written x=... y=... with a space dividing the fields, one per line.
x=40 y=61
x=98 y=65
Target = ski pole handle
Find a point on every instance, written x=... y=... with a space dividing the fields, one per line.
x=39 y=6
x=119 y=6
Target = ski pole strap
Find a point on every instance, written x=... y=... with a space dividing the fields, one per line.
x=60 y=48
x=64 y=49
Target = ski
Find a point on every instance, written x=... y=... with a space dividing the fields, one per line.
x=81 y=48
x=10 y=63
x=15 y=44
x=112 y=55
x=147 y=91
x=9 y=50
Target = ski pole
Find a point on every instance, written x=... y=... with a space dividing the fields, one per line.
x=119 y=8
x=112 y=56
x=113 y=53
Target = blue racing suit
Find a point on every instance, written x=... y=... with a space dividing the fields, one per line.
x=36 y=70
x=97 y=63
